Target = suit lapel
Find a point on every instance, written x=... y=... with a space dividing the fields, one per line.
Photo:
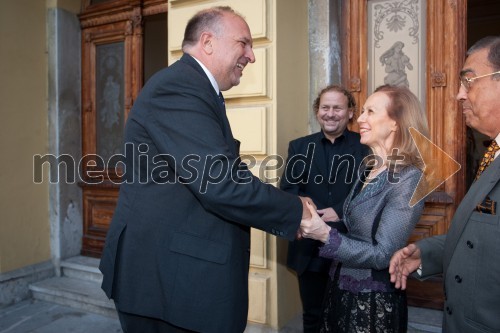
x=368 y=192
x=228 y=134
x=189 y=60
x=221 y=108
x=352 y=192
x=474 y=196
x=373 y=188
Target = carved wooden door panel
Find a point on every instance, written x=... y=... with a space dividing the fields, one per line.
x=430 y=70
x=106 y=96
x=113 y=57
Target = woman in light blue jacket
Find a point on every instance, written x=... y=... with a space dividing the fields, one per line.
x=378 y=217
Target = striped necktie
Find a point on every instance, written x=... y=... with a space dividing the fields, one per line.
x=488 y=157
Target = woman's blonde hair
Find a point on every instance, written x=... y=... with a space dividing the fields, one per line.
x=406 y=110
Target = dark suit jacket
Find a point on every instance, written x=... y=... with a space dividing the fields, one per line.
x=469 y=257
x=311 y=179
x=178 y=246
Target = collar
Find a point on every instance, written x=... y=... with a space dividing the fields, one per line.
x=342 y=136
x=210 y=76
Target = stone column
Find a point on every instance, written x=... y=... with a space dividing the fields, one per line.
x=324 y=49
x=64 y=102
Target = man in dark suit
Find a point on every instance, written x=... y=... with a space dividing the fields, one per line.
x=468 y=255
x=322 y=166
x=177 y=252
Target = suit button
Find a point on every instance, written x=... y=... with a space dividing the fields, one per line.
x=248 y=250
x=470 y=245
x=448 y=310
x=458 y=278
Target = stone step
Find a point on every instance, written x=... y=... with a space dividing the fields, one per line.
x=83 y=268
x=76 y=293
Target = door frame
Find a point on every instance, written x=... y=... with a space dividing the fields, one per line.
x=446 y=39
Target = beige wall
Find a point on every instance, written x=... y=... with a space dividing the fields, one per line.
x=24 y=225
x=292 y=121
x=292 y=72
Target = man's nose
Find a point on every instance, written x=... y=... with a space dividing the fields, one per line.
x=462 y=93
x=250 y=56
x=330 y=113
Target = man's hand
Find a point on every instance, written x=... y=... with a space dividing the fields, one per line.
x=306 y=214
x=403 y=263
x=314 y=227
x=328 y=215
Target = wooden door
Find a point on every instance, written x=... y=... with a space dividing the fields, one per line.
x=107 y=60
x=444 y=29
x=112 y=75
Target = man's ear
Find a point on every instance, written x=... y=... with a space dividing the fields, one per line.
x=206 y=40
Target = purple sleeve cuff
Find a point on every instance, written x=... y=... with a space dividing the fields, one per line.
x=331 y=246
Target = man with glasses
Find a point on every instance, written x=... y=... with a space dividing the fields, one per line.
x=469 y=255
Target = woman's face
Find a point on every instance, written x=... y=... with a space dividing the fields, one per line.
x=376 y=128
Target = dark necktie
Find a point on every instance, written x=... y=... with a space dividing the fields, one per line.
x=488 y=157
x=222 y=98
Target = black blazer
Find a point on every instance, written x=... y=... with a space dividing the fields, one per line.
x=310 y=179
x=178 y=247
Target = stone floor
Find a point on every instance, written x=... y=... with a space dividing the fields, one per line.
x=44 y=317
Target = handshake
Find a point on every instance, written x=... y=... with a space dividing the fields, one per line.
x=312 y=225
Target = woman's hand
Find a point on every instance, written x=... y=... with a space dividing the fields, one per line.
x=314 y=227
x=328 y=215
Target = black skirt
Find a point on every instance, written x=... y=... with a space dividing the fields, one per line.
x=364 y=312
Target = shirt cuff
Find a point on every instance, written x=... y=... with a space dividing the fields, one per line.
x=419 y=270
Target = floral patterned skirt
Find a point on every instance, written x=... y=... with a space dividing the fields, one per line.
x=364 y=312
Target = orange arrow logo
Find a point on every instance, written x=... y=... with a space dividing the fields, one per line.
x=438 y=166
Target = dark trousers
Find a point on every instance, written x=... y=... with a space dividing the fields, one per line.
x=312 y=287
x=132 y=323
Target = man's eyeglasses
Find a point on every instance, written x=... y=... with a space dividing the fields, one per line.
x=467 y=81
